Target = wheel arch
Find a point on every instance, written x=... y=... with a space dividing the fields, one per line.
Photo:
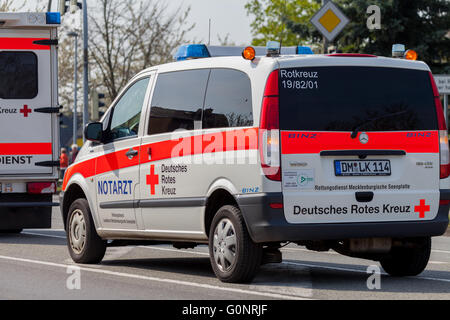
x=76 y=190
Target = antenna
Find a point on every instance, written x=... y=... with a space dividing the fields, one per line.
x=283 y=25
x=209 y=31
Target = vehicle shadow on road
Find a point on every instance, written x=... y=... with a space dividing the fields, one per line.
x=8 y=238
x=327 y=276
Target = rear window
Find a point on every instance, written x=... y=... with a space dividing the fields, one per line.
x=18 y=75
x=343 y=98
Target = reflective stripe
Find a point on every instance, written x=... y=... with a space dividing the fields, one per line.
x=22 y=44
x=25 y=148
x=165 y=150
x=302 y=142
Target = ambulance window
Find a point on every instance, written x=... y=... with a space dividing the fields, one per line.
x=342 y=98
x=127 y=111
x=18 y=75
x=177 y=102
x=228 y=101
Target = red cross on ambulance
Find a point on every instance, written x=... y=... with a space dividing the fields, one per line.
x=152 y=179
x=25 y=111
x=422 y=209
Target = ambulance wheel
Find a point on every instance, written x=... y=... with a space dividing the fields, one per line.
x=85 y=246
x=234 y=256
x=12 y=231
x=405 y=261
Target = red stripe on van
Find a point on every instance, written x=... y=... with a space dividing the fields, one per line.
x=22 y=44
x=166 y=150
x=25 y=148
x=301 y=142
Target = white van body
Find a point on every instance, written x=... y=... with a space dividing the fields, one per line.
x=163 y=185
x=29 y=130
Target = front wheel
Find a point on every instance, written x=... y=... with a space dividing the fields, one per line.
x=234 y=256
x=85 y=246
x=408 y=261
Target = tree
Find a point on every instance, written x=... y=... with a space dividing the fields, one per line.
x=274 y=19
x=422 y=25
x=129 y=36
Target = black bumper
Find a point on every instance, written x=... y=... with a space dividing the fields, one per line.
x=269 y=225
x=21 y=211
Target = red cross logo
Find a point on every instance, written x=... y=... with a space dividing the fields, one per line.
x=152 y=179
x=422 y=208
x=25 y=111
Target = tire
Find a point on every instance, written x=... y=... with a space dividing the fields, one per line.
x=237 y=261
x=404 y=261
x=85 y=246
x=12 y=231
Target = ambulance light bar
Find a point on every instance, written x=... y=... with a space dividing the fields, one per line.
x=29 y=19
x=196 y=51
x=53 y=17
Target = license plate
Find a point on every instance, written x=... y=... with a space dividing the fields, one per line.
x=362 y=167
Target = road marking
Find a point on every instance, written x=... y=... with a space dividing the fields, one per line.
x=164 y=280
x=43 y=235
x=294 y=263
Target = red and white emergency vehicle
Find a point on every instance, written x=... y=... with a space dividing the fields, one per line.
x=29 y=125
x=248 y=152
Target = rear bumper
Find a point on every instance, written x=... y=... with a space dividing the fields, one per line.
x=269 y=225
x=20 y=210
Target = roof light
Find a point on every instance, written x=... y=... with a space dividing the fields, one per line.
x=398 y=50
x=249 y=53
x=191 y=51
x=411 y=55
x=53 y=18
x=273 y=48
x=304 y=50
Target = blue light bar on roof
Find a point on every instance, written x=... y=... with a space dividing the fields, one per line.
x=191 y=51
x=304 y=50
x=53 y=18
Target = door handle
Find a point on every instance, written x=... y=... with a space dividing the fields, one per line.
x=131 y=153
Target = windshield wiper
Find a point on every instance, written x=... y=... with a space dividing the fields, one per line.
x=356 y=128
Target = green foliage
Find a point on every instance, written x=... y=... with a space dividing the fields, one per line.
x=273 y=19
x=422 y=25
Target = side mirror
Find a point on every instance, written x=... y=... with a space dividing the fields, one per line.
x=94 y=132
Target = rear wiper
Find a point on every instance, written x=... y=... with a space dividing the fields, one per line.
x=356 y=128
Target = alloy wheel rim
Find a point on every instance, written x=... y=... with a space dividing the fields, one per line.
x=224 y=245
x=77 y=231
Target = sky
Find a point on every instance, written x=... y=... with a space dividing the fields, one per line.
x=227 y=17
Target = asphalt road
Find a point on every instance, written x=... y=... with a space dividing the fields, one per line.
x=36 y=265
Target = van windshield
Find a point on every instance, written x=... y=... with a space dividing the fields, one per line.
x=363 y=98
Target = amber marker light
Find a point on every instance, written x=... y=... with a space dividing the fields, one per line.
x=249 y=53
x=411 y=55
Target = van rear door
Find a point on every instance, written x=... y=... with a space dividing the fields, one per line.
x=25 y=91
x=358 y=144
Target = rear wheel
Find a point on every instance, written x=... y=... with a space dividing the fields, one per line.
x=234 y=256
x=85 y=246
x=408 y=261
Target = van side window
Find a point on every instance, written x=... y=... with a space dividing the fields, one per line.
x=18 y=75
x=127 y=111
x=228 y=100
x=178 y=101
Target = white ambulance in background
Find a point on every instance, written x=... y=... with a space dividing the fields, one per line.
x=29 y=124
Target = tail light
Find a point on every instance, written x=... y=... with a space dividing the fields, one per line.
x=443 y=133
x=269 y=146
x=41 y=187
